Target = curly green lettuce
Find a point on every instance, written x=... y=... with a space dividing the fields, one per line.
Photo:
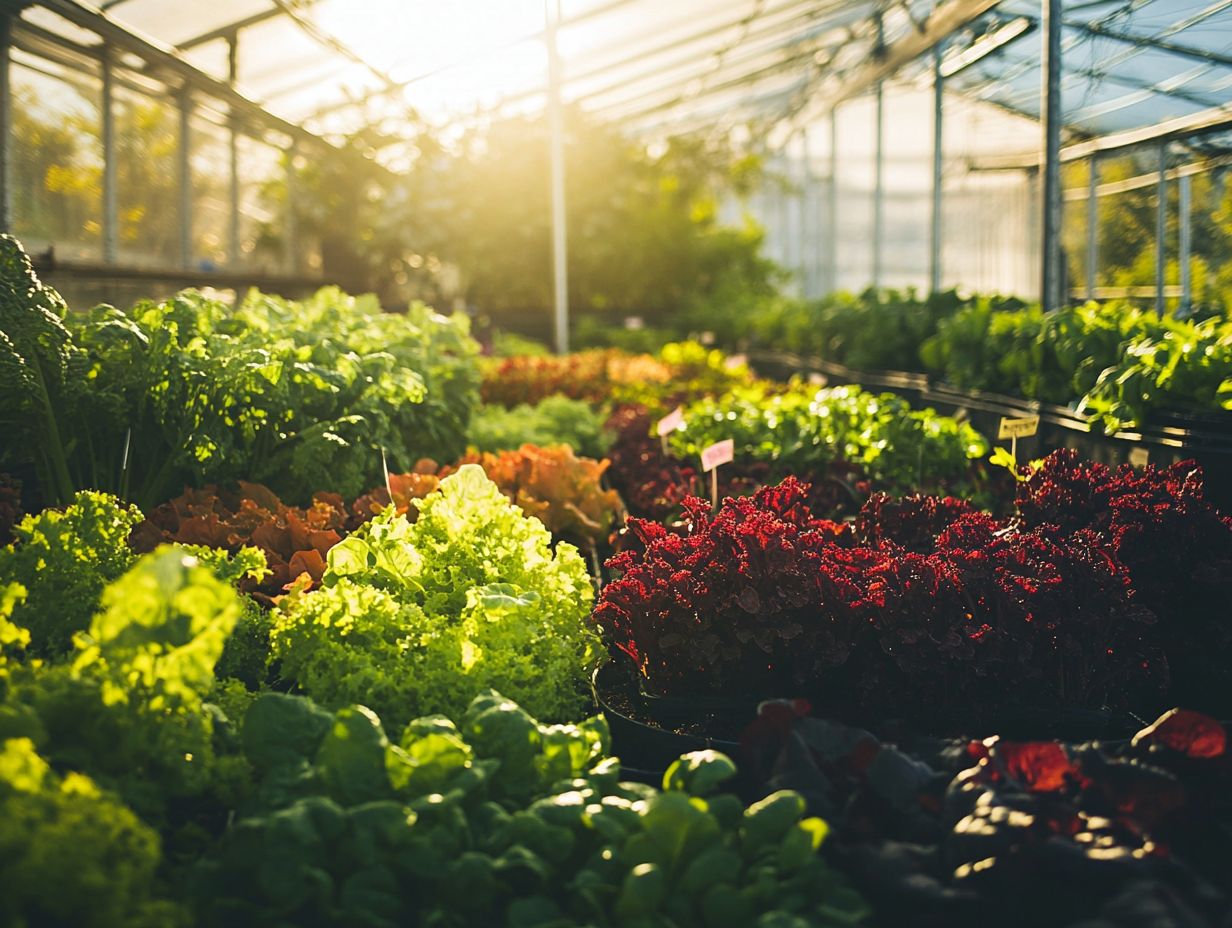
x=70 y=854
x=131 y=707
x=64 y=559
x=414 y=618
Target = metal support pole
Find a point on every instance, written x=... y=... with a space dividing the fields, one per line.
x=1092 y=224
x=110 y=207
x=879 y=164
x=290 y=232
x=832 y=207
x=1161 y=229
x=1185 y=249
x=6 y=123
x=556 y=150
x=782 y=209
x=807 y=253
x=935 y=240
x=792 y=212
x=233 y=236
x=185 y=177
x=879 y=186
x=1050 y=168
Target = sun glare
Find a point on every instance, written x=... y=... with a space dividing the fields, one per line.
x=457 y=54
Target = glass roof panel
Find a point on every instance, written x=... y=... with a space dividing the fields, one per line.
x=331 y=64
x=173 y=23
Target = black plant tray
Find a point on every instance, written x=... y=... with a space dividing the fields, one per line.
x=1172 y=435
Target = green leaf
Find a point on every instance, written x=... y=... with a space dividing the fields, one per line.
x=161 y=630
x=280 y=729
x=699 y=773
x=351 y=757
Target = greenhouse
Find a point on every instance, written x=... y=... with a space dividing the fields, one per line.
x=616 y=463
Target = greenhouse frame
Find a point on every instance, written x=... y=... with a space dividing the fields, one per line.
x=615 y=463
x=837 y=93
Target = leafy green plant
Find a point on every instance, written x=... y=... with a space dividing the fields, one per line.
x=801 y=429
x=412 y=617
x=70 y=854
x=129 y=707
x=502 y=820
x=986 y=346
x=63 y=560
x=299 y=395
x=1183 y=365
x=512 y=345
x=333 y=329
x=556 y=420
x=296 y=395
x=41 y=375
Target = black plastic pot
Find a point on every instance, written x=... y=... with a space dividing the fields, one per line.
x=648 y=734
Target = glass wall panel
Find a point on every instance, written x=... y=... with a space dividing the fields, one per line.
x=211 y=196
x=262 y=197
x=147 y=182
x=57 y=165
x=1127 y=217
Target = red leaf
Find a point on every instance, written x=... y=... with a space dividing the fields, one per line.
x=307 y=562
x=273 y=539
x=1190 y=733
x=1041 y=766
x=203 y=530
x=262 y=495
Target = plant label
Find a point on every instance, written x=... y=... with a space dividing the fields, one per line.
x=1021 y=427
x=672 y=422
x=721 y=452
x=385 y=470
x=1140 y=457
x=817 y=379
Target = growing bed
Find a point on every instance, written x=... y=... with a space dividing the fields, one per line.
x=339 y=623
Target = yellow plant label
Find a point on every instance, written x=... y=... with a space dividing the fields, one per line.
x=1018 y=428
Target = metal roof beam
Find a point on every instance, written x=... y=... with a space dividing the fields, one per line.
x=813 y=12
x=742 y=79
x=767 y=61
x=225 y=32
x=948 y=17
x=648 y=109
x=332 y=43
x=162 y=57
x=809 y=59
x=679 y=124
x=1216 y=119
x=703 y=55
x=1213 y=120
x=1166 y=45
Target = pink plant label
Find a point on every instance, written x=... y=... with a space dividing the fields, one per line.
x=721 y=452
x=736 y=361
x=671 y=422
